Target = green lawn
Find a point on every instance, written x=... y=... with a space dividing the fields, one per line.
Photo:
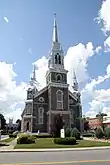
x=48 y=143
x=8 y=140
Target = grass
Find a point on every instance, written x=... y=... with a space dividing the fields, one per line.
x=7 y=140
x=49 y=143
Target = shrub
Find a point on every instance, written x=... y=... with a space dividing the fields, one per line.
x=75 y=133
x=99 y=133
x=13 y=136
x=26 y=139
x=107 y=132
x=67 y=132
x=65 y=141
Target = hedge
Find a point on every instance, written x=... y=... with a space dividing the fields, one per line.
x=65 y=141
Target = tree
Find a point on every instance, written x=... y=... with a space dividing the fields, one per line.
x=100 y=116
x=3 y=121
x=86 y=125
x=99 y=132
x=57 y=125
x=75 y=133
x=19 y=124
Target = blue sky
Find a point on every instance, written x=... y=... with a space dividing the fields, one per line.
x=27 y=35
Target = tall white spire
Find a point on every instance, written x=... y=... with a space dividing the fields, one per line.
x=33 y=77
x=55 y=30
x=56 y=59
x=75 y=83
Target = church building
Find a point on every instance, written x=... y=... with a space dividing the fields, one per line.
x=55 y=97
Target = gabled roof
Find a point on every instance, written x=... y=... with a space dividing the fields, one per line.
x=72 y=95
x=41 y=91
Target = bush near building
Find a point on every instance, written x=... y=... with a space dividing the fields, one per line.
x=99 y=133
x=75 y=133
x=26 y=139
x=107 y=132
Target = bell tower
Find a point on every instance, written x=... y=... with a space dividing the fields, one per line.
x=56 y=80
x=56 y=72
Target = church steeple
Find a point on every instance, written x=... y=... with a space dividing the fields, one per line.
x=56 y=59
x=75 y=83
x=55 y=30
x=32 y=87
x=33 y=77
x=56 y=72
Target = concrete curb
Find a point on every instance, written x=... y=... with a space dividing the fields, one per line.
x=55 y=149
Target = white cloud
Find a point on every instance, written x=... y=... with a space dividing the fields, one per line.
x=98 y=49
x=94 y=82
x=99 y=97
x=102 y=95
x=77 y=58
x=6 y=19
x=11 y=94
x=104 y=16
x=107 y=44
x=41 y=68
x=14 y=114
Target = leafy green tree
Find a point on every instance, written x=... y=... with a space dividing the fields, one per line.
x=86 y=125
x=75 y=133
x=100 y=115
x=99 y=132
x=3 y=121
x=19 y=124
x=67 y=132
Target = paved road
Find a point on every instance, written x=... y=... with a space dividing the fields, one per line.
x=94 y=157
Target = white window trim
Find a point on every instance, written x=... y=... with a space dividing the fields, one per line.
x=58 y=101
x=40 y=116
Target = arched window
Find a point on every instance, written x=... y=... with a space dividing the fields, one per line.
x=59 y=59
x=40 y=115
x=59 y=77
x=55 y=59
x=59 y=96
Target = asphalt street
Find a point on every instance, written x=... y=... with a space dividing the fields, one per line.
x=93 y=157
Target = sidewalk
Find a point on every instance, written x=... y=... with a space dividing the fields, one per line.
x=98 y=140
x=10 y=147
x=54 y=149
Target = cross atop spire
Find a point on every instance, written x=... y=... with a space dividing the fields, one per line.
x=55 y=30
